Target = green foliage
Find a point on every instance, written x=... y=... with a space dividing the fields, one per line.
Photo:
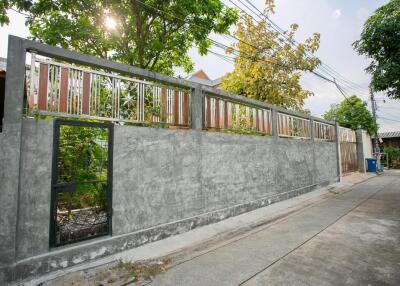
x=269 y=68
x=380 y=41
x=151 y=34
x=20 y=5
x=394 y=156
x=352 y=113
x=83 y=160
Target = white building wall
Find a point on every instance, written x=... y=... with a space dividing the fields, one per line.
x=367 y=144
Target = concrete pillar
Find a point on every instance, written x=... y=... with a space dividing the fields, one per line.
x=312 y=142
x=10 y=142
x=338 y=156
x=360 y=151
x=312 y=135
x=197 y=109
x=274 y=122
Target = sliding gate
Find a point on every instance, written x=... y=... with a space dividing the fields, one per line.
x=348 y=150
x=81 y=181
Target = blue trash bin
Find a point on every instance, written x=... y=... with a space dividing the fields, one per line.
x=371 y=165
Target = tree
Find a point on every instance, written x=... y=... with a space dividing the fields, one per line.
x=267 y=67
x=380 y=41
x=151 y=34
x=352 y=113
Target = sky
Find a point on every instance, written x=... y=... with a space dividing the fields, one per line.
x=339 y=22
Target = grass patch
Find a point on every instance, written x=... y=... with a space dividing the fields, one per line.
x=143 y=271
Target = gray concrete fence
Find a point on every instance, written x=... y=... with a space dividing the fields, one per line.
x=165 y=181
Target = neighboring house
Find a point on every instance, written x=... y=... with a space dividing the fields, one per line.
x=202 y=78
x=3 y=64
x=389 y=139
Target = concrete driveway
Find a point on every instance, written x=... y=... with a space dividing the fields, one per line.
x=352 y=238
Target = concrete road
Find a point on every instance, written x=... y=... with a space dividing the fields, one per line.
x=352 y=238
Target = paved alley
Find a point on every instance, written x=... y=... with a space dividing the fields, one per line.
x=352 y=238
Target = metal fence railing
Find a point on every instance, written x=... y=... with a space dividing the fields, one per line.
x=223 y=114
x=59 y=88
x=68 y=84
x=323 y=131
x=293 y=126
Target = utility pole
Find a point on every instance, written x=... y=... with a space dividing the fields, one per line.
x=374 y=107
x=376 y=147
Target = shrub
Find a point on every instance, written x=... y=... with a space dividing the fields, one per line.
x=394 y=156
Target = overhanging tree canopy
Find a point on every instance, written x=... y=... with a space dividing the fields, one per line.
x=380 y=41
x=152 y=34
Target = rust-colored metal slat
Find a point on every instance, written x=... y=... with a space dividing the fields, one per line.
x=217 y=113
x=85 y=93
x=229 y=107
x=226 y=124
x=163 y=105
x=186 y=108
x=43 y=82
x=208 y=112
x=262 y=125
x=176 y=107
x=63 y=90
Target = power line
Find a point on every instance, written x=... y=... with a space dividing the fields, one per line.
x=390 y=119
x=387 y=113
x=374 y=109
x=23 y=14
x=390 y=108
x=216 y=43
x=324 y=67
x=220 y=45
x=276 y=27
x=282 y=32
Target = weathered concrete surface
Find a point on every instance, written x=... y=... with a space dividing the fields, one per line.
x=165 y=182
x=203 y=239
x=360 y=150
x=163 y=175
x=25 y=220
x=10 y=147
x=35 y=183
x=351 y=239
x=363 y=248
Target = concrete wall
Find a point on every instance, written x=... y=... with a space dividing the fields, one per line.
x=163 y=175
x=165 y=182
x=364 y=149
x=35 y=183
x=367 y=144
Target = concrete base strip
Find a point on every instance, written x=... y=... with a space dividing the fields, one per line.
x=88 y=251
x=179 y=246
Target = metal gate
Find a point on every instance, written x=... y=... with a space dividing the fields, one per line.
x=348 y=150
x=81 y=181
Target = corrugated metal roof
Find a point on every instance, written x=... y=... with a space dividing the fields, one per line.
x=389 y=134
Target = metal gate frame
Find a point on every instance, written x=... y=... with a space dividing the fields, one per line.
x=54 y=175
